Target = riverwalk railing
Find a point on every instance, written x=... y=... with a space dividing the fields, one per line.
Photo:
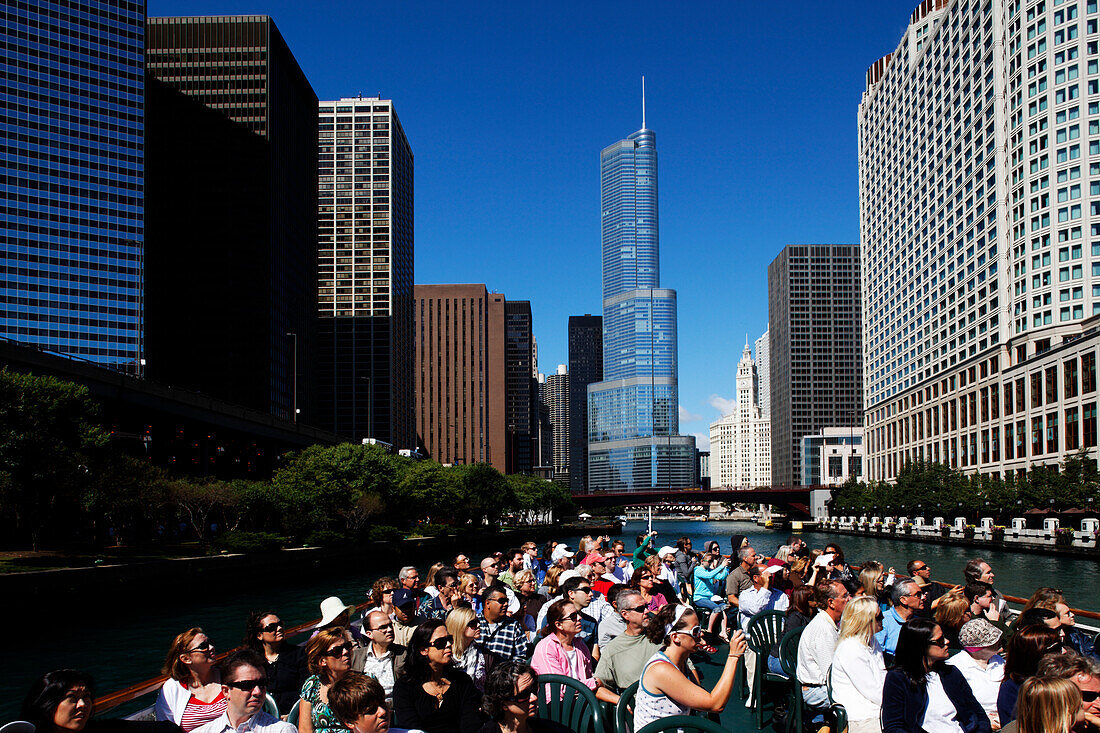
x=1052 y=533
x=133 y=692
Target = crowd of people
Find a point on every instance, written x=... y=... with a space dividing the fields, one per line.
x=460 y=649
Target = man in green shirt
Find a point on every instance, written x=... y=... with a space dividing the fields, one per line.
x=645 y=548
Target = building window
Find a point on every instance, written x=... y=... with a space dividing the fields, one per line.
x=1071 y=429
x=1069 y=378
x=1088 y=373
x=1037 y=435
x=1088 y=425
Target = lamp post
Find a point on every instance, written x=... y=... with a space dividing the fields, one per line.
x=295 y=393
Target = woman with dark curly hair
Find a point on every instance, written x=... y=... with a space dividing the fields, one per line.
x=284 y=663
x=645 y=583
x=381 y=596
x=511 y=701
x=430 y=693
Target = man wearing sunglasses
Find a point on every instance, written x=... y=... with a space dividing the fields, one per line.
x=1082 y=671
x=922 y=576
x=244 y=685
x=907 y=600
x=380 y=658
x=501 y=636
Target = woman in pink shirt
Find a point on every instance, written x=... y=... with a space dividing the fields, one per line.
x=561 y=652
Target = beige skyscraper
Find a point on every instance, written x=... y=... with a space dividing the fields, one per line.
x=740 y=443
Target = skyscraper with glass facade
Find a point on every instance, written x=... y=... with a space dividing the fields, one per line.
x=633 y=416
x=71 y=178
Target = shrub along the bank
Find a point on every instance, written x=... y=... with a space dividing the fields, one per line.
x=63 y=485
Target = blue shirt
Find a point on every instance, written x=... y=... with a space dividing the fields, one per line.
x=709 y=582
x=891 y=628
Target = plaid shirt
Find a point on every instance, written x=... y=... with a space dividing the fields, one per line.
x=509 y=641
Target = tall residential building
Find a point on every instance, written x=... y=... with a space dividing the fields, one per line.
x=979 y=137
x=231 y=220
x=460 y=374
x=633 y=420
x=815 y=361
x=544 y=434
x=740 y=443
x=521 y=395
x=763 y=373
x=72 y=237
x=365 y=273
x=557 y=400
x=585 y=368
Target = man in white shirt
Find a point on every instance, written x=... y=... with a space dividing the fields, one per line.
x=760 y=597
x=244 y=685
x=818 y=642
x=379 y=657
x=980 y=663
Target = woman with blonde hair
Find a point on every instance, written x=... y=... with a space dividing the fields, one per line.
x=328 y=656
x=859 y=670
x=549 y=586
x=469 y=592
x=466 y=650
x=1048 y=705
x=192 y=694
x=870 y=580
x=431 y=580
x=952 y=612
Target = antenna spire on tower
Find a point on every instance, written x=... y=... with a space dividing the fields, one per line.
x=643 y=101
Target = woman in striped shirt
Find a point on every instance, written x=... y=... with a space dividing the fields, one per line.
x=192 y=694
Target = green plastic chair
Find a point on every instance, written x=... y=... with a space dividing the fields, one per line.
x=788 y=660
x=624 y=717
x=270 y=706
x=569 y=702
x=292 y=716
x=765 y=630
x=839 y=710
x=683 y=723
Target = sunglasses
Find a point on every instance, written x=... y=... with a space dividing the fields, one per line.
x=388 y=590
x=272 y=627
x=441 y=643
x=247 y=685
x=587 y=591
x=473 y=624
x=638 y=609
x=1089 y=695
x=940 y=642
x=203 y=647
x=575 y=616
x=522 y=697
x=645 y=577
x=383 y=627
x=339 y=651
x=695 y=631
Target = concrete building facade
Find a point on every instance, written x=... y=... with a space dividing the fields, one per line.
x=460 y=374
x=740 y=443
x=365 y=272
x=815 y=362
x=979 y=140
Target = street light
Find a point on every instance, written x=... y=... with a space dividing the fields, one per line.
x=295 y=396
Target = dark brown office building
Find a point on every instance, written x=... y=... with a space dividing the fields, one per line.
x=585 y=368
x=460 y=377
x=231 y=213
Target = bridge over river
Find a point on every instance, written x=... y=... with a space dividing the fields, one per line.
x=795 y=499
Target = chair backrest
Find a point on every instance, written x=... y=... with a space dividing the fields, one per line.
x=683 y=723
x=569 y=702
x=270 y=706
x=765 y=628
x=292 y=716
x=17 y=726
x=624 y=718
x=788 y=651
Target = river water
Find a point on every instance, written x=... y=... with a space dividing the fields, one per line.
x=124 y=641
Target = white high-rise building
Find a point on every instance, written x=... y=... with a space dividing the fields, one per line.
x=763 y=374
x=740 y=443
x=979 y=162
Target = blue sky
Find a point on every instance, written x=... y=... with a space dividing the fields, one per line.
x=508 y=104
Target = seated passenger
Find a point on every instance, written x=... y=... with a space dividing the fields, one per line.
x=981 y=664
x=858 y=668
x=284 y=663
x=561 y=652
x=192 y=694
x=466 y=650
x=359 y=702
x=381 y=656
x=328 y=656
x=511 y=701
x=63 y=701
x=431 y=694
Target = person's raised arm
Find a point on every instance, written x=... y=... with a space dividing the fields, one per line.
x=305 y=717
